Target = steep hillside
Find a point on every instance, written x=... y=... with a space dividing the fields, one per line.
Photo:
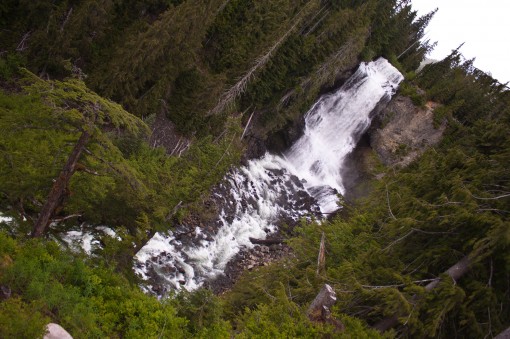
x=119 y=119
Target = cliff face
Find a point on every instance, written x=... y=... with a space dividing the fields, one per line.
x=403 y=131
x=399 y=134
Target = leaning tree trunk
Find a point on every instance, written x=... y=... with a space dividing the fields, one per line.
x=235 y=91
x=59 y=186
x=503 y=335
x=455 y=272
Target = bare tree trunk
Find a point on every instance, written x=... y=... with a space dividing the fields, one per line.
x=503 y=335
x=455 y=272
x=235 y=91
x=247 y=125
x=66 y=19
x=56 y=194
x=321 y=258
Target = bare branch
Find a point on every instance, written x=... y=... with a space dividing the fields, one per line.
x=489 y=283
x=83 y=168
x=429 y=232
x=247 y=125
x=228 y=98
x=321 y=258
x=317 y=23
x=174 y=210
x=23 y=43
x=490 y=324
x=223 y=155
x=222 y=6
x=325 y=7
x=388 y=201
x=455 y=272
x=399 y=285
x=398 y=240
x=66 y=19
x=494 y=198
x=67 y=217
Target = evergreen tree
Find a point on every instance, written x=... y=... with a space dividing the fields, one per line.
x=77 y=110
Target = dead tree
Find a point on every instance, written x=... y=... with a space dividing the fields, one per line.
x=321 y=258
x=320 y=308
x=455 y=272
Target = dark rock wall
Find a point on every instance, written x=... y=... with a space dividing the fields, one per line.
x=403 y=131
x=400 y=132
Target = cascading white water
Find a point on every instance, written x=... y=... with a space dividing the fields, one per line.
x=254 y=197
x=333 y=127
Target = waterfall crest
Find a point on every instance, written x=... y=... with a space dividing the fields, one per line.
x=254 y=197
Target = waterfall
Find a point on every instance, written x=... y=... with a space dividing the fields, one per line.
x=255 y=197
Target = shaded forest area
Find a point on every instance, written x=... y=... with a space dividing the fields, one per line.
x=82 y=83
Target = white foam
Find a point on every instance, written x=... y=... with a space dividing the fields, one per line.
x=87 y=240
x=4 y=219
x=334 y=125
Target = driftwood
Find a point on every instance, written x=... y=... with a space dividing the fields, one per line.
x=455 y=272
x=266 y=242
x=320 y=308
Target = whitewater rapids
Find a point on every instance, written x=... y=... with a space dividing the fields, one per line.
x=275 y=186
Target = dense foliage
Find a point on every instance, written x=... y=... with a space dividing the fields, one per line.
x=113 y=69
x=451 y=204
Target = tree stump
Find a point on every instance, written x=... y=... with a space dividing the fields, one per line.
x=320 y=308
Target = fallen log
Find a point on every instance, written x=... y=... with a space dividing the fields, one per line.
x=455 y=272
x=266 y=242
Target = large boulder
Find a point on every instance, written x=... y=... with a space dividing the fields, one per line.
x=55 y=331
x=405 y=131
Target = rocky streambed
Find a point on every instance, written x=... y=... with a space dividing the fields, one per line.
x=267 y=196
x=259 y=201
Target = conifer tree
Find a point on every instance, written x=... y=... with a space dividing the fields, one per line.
x=80 y=111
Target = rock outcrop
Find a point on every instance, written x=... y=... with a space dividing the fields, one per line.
x=55 y=331
x=164 y=134
x=400 y=132
x=403 y=131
